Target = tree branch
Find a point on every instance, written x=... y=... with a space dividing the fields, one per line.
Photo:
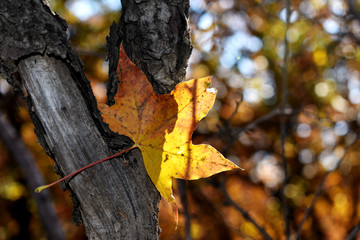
x=183 y=197
x=116 y=199
x=318 y=192
x=353 y=232
x=243 y=212
x=33 y=179
x=283 y=120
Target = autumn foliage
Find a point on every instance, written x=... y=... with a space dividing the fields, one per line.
x=241 y=44
x=161 y=126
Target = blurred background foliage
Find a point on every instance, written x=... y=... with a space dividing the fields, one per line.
x=241 y=44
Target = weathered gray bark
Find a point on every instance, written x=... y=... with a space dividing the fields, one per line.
x=115 y=199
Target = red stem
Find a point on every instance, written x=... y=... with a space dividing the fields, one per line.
x=39 y=189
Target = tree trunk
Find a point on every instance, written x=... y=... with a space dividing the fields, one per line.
x=115 y=199
x=33 y=177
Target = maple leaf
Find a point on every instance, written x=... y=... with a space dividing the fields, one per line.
x=161 y=126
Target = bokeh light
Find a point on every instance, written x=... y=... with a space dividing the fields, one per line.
x=241 y=44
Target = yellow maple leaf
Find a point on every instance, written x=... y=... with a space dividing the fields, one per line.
x=161 y=126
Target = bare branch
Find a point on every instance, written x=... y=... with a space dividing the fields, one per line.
x=243 y=212
x=33 y=178
x=255 y=123
x=319 y=191
x=183 y=197
x=283 y=121
x=234 y=132
x=353 y=232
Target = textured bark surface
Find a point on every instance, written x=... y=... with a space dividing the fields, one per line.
x=157 y=39
x=115 y=199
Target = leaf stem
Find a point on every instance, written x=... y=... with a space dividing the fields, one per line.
x=40 y=188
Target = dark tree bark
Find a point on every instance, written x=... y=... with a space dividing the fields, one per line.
x=115 y=199
x=33 y=177
x=156 y=37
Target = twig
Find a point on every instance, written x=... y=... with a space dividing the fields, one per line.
x=228 y=128
x=183 y=198
x=233 y=136
x=283 y=120
x=234 y=132
x=353 y=232
x=253 y=124
x=243 y=212
x=234 y=113
x=319 y=190
x=312 y=204
x=33 y=178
